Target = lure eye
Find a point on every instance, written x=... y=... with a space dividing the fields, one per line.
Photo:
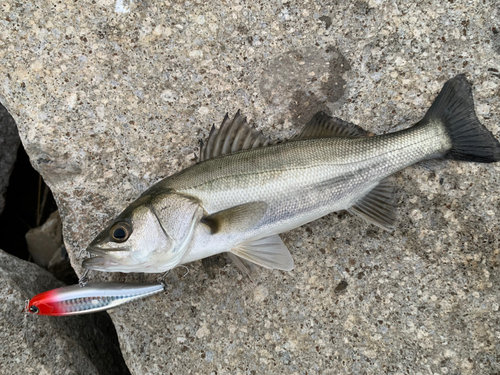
x=120 y=232
x=34 y=309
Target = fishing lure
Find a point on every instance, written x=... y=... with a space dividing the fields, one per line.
x=74 y=299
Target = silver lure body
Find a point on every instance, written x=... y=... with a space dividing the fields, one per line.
x=75 y=300
x=246 y=191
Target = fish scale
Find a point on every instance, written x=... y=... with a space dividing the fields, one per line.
x=303 y=180
x=246 y=189
x=330 y=173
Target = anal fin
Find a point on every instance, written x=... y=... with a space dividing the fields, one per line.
x=269 y=252
x=378 y=206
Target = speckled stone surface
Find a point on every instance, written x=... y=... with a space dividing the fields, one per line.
x=9 y=142
x=112 y=96
x=31 y=344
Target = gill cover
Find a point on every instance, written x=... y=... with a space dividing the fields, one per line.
x=151 y=235
x=178 y=216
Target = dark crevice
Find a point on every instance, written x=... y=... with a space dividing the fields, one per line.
x=21 y=204
x=28 y=204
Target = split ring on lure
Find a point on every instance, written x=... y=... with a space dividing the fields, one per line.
x=73 y=300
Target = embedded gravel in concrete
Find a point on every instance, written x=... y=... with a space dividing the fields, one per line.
x=110 y=97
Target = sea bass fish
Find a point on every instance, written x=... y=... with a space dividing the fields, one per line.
x=245 y=189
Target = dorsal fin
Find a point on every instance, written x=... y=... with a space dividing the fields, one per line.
x=233 y=135
x=324 y=126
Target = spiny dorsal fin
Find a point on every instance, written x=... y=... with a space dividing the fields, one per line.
x=378 y=206
x=269 y=252
x=233 y=135
x=324 y=126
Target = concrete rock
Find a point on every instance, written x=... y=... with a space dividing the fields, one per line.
x=111 y=96
x=60 y=266
x=45 y=240
x=50 y=345
x=9 y=142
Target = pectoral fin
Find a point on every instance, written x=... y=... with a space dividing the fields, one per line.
x=269 y=252
x=234 y=219
x=378 y=206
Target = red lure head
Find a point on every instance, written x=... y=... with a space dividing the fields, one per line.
x=45 y=304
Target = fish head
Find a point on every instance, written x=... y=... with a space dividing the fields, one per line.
x=151 y=235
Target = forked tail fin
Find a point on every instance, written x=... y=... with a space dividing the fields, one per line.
x=454 y=107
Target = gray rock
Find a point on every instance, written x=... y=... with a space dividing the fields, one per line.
x=44 y=241
x=113 y=96
x=60 y=266
x=9 y=142
x=33 y=344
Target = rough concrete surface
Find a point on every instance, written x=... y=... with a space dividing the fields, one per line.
x=9 y=142
x=110 y=97
x=44 y=241
x=31 y=344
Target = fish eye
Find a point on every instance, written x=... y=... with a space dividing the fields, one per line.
x=120 y=232
x=34 y=309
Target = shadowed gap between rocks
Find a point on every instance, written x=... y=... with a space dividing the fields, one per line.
x=28 y=204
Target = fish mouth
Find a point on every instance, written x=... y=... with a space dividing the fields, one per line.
x=99 y=263
x=102 y=259
x=94 y=250
x=108 y=264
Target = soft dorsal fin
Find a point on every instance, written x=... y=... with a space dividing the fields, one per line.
x=269 y=252
x=233 y=135
x=324 y=126
x=378 y=206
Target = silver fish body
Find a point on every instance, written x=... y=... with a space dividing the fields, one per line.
x=246 y=191
x=299 y=181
